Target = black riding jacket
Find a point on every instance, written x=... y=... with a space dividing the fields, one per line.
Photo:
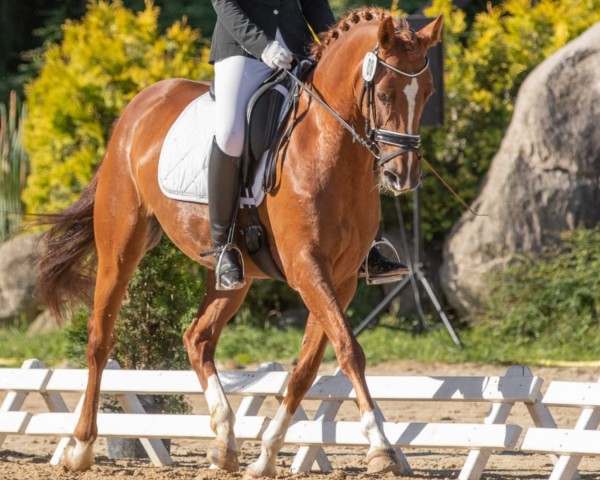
x=245 y=27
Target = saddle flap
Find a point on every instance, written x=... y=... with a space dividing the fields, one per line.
x=265 y=112
x=267 y=115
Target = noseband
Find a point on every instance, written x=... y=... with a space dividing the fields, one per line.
x=374 y=136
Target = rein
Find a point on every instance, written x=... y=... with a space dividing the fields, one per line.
x=363 y=141
x=373 y=135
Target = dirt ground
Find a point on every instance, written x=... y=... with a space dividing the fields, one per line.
x=26 y=458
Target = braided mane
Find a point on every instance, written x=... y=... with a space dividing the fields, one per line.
x=355 y=17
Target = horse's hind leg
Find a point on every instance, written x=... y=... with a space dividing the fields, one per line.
x=200 y=341
x=121 y=242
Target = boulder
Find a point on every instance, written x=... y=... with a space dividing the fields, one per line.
x=544 y=179
x=18 y=275
x=45 y=322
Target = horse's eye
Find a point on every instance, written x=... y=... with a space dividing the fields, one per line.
x=384 y=97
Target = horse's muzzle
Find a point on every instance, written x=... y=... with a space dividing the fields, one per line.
x=398 y=182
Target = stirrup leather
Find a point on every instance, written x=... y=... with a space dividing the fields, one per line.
x=374 y=279
x=219 y=257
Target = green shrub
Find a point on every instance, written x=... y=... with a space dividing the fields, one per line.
x=102 y=62
x=549 y=303
x=14 y=165
x=164 y=295
x=269 y=300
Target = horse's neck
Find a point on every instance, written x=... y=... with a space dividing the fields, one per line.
x=334 y=81
x=334 y=76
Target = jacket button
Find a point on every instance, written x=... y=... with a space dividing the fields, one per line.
x=275 y=12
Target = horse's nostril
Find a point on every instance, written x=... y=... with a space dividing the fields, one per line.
x=391 y=176
x=393 y=180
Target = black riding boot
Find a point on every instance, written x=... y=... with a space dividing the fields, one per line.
x=224 y=176
x=378 y=269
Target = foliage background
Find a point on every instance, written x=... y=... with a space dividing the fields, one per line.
x=487 y=58
x=83 y=86
x=14 y=165
x=81 y=73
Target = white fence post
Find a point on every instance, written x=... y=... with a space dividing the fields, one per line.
x=14 y=400
x=131 y=404
x=501 y=393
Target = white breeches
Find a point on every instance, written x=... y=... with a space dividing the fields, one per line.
x=236 y=80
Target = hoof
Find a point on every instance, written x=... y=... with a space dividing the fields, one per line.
x=78 y=458
x=223 y=458
x=250 y=475
x=252 y=472
x=381 y=461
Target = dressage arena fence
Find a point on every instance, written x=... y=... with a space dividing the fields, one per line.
x=500 y=393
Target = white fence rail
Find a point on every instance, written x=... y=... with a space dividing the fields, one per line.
x=501 y=393
x=570 y=443
x=493 y=433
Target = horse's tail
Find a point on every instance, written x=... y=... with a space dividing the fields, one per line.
x=67 y=268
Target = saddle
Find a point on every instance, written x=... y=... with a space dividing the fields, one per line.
x=267 y=131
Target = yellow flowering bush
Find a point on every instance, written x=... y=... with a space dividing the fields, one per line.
x=103 y=61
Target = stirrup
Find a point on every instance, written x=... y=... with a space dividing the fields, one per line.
x=219 y=256
x=374 y=279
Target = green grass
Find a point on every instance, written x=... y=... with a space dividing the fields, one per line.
x=479 y=346
x=16 y=346
x=244 y=345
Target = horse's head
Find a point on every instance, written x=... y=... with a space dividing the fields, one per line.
x=396 y=84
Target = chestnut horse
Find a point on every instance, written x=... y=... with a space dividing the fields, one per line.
x=320 y=222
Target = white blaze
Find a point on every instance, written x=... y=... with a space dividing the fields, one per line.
x=411 y=99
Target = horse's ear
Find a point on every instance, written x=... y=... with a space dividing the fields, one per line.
x=386 y=35
x=431 y=34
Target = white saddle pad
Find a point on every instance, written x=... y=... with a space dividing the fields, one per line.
x=183 y=163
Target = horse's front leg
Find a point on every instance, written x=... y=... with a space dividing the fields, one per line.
x=311 y=353
x=200 y=341
x=321 y=300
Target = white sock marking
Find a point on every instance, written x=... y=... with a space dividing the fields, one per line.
x=272 y=442
x=220 y=412
x=372 y=428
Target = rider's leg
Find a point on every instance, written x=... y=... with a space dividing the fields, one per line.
x=223 y=195
x=236 y=79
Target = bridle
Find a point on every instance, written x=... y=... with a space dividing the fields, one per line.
x=374 y=135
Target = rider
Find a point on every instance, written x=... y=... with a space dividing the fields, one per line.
x=251 y=39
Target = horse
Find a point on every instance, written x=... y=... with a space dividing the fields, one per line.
x=320 y=222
